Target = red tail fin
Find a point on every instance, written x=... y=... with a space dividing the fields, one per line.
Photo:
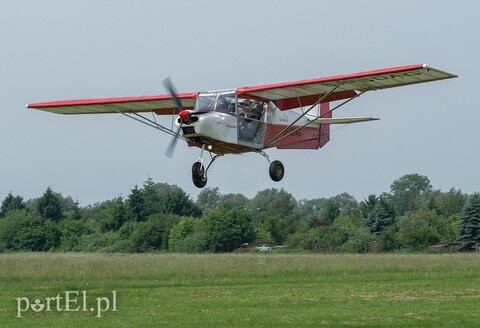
x=324 y=128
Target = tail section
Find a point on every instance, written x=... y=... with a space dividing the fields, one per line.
x=324 y=128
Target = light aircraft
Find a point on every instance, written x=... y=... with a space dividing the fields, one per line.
x=291 y=115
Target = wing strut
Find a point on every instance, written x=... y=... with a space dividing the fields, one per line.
x=277 y=138
x=142 y=119
x=280 y=135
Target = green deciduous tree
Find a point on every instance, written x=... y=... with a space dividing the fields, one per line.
x=233 y=200
x=407 y=191
x=420 y=229
x=272 y=202
x=153 y=234
x=179 y=233
x=280 y=228
x=165 y=198
x=74 y=213
x=227 y=228
x=388 y=240
x=208 y=199
x=179 y=203
x=324 y=239
x=358 y=237
x=451 y=202
x=347 y=204
x=71 y=233
x=323 y=211
x=309 y=210
x=21 y=231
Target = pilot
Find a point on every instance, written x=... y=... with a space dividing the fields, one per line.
x=246 y=126
x=222 y=105
x=246 y=108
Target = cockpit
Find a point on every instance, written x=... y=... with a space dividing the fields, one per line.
x=250 y=114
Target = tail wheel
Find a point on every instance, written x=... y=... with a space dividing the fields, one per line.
x=276 y=170
x=199 y=176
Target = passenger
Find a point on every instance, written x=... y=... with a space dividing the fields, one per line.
x=245 y=108
x=257 y=110
x=246 y=127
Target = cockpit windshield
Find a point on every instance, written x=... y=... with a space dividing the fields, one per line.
x=224 y=102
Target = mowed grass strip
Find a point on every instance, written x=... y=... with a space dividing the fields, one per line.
x=245 y=290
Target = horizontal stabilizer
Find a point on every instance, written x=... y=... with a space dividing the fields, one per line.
x=344 y=120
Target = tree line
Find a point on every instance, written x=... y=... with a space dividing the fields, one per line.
x=162 y=217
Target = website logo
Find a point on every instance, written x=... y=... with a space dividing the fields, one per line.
x=68 y=301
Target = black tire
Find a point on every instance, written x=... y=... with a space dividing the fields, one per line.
x=199 y=176
x=200 y=183
x=198 y=170
x=276 y=170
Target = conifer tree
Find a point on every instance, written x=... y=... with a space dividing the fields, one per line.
x=49 y=206
x=11 y=203
x=137 y=204
x=469 y=237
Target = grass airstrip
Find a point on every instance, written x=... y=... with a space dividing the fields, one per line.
x=239 y=290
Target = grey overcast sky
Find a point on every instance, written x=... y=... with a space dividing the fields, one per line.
x=57 y=49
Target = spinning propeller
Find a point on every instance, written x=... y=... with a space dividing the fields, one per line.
x=183 y=114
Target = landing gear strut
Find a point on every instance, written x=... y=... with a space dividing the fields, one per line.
x=199 y=171
x=276 y=169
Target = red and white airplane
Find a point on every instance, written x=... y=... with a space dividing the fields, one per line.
x=291 y=115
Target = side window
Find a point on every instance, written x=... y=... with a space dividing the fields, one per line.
x=251 y=124
x=250 y=109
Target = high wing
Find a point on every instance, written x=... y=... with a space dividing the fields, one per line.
x=291 y=95
x=160 y=105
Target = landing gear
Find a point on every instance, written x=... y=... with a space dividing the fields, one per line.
x=276 y=170
x=199 y=171
x=199 y=175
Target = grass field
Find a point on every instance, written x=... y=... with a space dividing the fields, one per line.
x=239 y=290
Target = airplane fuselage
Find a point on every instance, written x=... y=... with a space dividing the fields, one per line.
x=232 y=127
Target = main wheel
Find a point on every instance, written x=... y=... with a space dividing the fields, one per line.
x=200 y=183
x=199 y=176
x=276 y=170
x=198 y=170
